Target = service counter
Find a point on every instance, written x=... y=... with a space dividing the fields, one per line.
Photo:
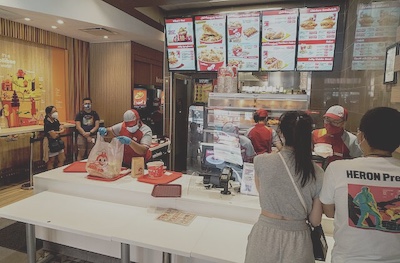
x=236 y=208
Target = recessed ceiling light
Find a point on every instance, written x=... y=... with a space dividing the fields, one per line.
x=106 y=37
x=27 y=19
x=60 y=21
x=53 y=27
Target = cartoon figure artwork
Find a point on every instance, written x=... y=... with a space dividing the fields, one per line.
x=374 y=207
x=101 y=163
x=19 y=95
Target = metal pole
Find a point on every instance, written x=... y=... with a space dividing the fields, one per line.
x=73 y=146
x=125 y=253
x=166 y=257
x=29 y=185
x=31 y=243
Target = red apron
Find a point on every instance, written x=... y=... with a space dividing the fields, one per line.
x=128 y=151
x=340 y=149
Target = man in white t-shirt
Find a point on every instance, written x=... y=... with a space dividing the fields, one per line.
x=363 y=194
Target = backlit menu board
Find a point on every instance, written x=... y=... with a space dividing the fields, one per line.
x=279 y=32
x=180 y=43
x=243 y=32
x=210 y=42
x=375 y=31
x=317 y=38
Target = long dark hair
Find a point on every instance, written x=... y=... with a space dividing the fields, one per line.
x=296 y=127
x=48 y=110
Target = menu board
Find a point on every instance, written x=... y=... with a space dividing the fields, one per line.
x=180 y=43
x=243 y=33
x=279 y=32
x=375 y=31
x=210 y=42
x=317 y=37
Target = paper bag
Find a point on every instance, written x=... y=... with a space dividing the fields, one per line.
x=137 y=168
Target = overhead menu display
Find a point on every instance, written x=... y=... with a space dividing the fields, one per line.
x=243 y=33
x=317 y=38
x=279 y=31
x=375 y=31
x=180 y=43
x=210 y=42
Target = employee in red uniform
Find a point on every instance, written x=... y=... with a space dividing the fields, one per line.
x=344 y=143
x=261 y=136
x=134 y=134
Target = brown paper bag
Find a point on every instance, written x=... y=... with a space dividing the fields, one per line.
x=137 y=168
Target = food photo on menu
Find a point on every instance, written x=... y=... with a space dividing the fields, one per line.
x=210 y=35
x=173 y=59
x=211 y=59
x=275 y=34
x=309 y=23
x=235 y=31
x=182 y=36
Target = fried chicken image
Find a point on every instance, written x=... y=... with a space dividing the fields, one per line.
x=309 y=24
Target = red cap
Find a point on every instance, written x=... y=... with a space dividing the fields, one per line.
x=131 y=118
x=337 y=112
x=262 y=113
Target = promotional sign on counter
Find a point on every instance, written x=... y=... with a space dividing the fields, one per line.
x=375 y=31
x=279 y=31
x=317 y=38
x=243 y=33
x=210 y=42
x=180 y=43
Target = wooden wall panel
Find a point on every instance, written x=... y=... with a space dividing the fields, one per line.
x=110 y=80
x=156 y=75
x=142 y=73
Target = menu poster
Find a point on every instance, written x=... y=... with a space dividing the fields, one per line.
x=244 y=40
x=390 y=75
x=210 y=42
x=180 y=43
x=139 y=97
x=279 y=33
x=375 y=31
x=317 y=37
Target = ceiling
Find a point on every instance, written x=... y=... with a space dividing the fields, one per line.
x=73 y=25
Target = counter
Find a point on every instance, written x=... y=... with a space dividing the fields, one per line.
x=28 y=129
x=195 y=199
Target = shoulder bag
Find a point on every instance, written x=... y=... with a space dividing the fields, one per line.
x=320 y=247
x=56 y=145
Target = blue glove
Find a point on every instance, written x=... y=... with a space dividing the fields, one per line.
x=103 y=131
x=124 y=139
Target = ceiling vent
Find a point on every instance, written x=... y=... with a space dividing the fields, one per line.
x=98 y=31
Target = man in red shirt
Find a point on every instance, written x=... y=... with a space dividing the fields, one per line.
x=263 y=137
x=344 y=143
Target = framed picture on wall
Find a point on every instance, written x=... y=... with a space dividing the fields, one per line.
x=390 y=76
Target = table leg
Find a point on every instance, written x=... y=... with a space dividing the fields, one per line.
x=166 y=257
x=31 y=243
x=73 y=146
x=125 y=257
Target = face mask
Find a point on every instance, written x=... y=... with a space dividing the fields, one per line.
x=332 y=129
x=87 y=106
x=132 y=129
x=54 y=115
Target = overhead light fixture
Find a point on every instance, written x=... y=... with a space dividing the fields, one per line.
x=53 y=27
x=27 y=19
x=106 y=37
x=60 y=21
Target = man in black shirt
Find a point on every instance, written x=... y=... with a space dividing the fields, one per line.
x=87 y=123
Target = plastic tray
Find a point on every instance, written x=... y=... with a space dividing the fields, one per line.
x=167 y=190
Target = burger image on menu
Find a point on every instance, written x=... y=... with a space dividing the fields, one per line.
x=365 y=20
x=328 y=22
x=274 y=35
x=309 y=24
x=210 y=35
x=274 y=63
x=211 y=59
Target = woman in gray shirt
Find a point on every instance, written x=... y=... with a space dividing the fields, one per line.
x=281 y=233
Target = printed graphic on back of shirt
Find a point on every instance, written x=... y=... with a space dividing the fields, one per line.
x=374 y=207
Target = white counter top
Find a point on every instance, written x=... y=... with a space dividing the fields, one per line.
x=28 y=129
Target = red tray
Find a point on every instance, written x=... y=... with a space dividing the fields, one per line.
x=93 y=177
x=76 y=167
x=162 y=180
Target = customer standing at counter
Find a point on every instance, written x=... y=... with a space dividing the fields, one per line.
x=363 y=194
x=281 y=233
x=246 y=148
x=344 y=143
x=53 y=130
x=261 y=136
x=87 y=122
x=134 y=134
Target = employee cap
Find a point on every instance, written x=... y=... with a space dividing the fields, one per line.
x=262 y=113
x=131 y=118
x=336 y=112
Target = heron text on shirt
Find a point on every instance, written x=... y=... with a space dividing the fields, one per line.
x=372 y=176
